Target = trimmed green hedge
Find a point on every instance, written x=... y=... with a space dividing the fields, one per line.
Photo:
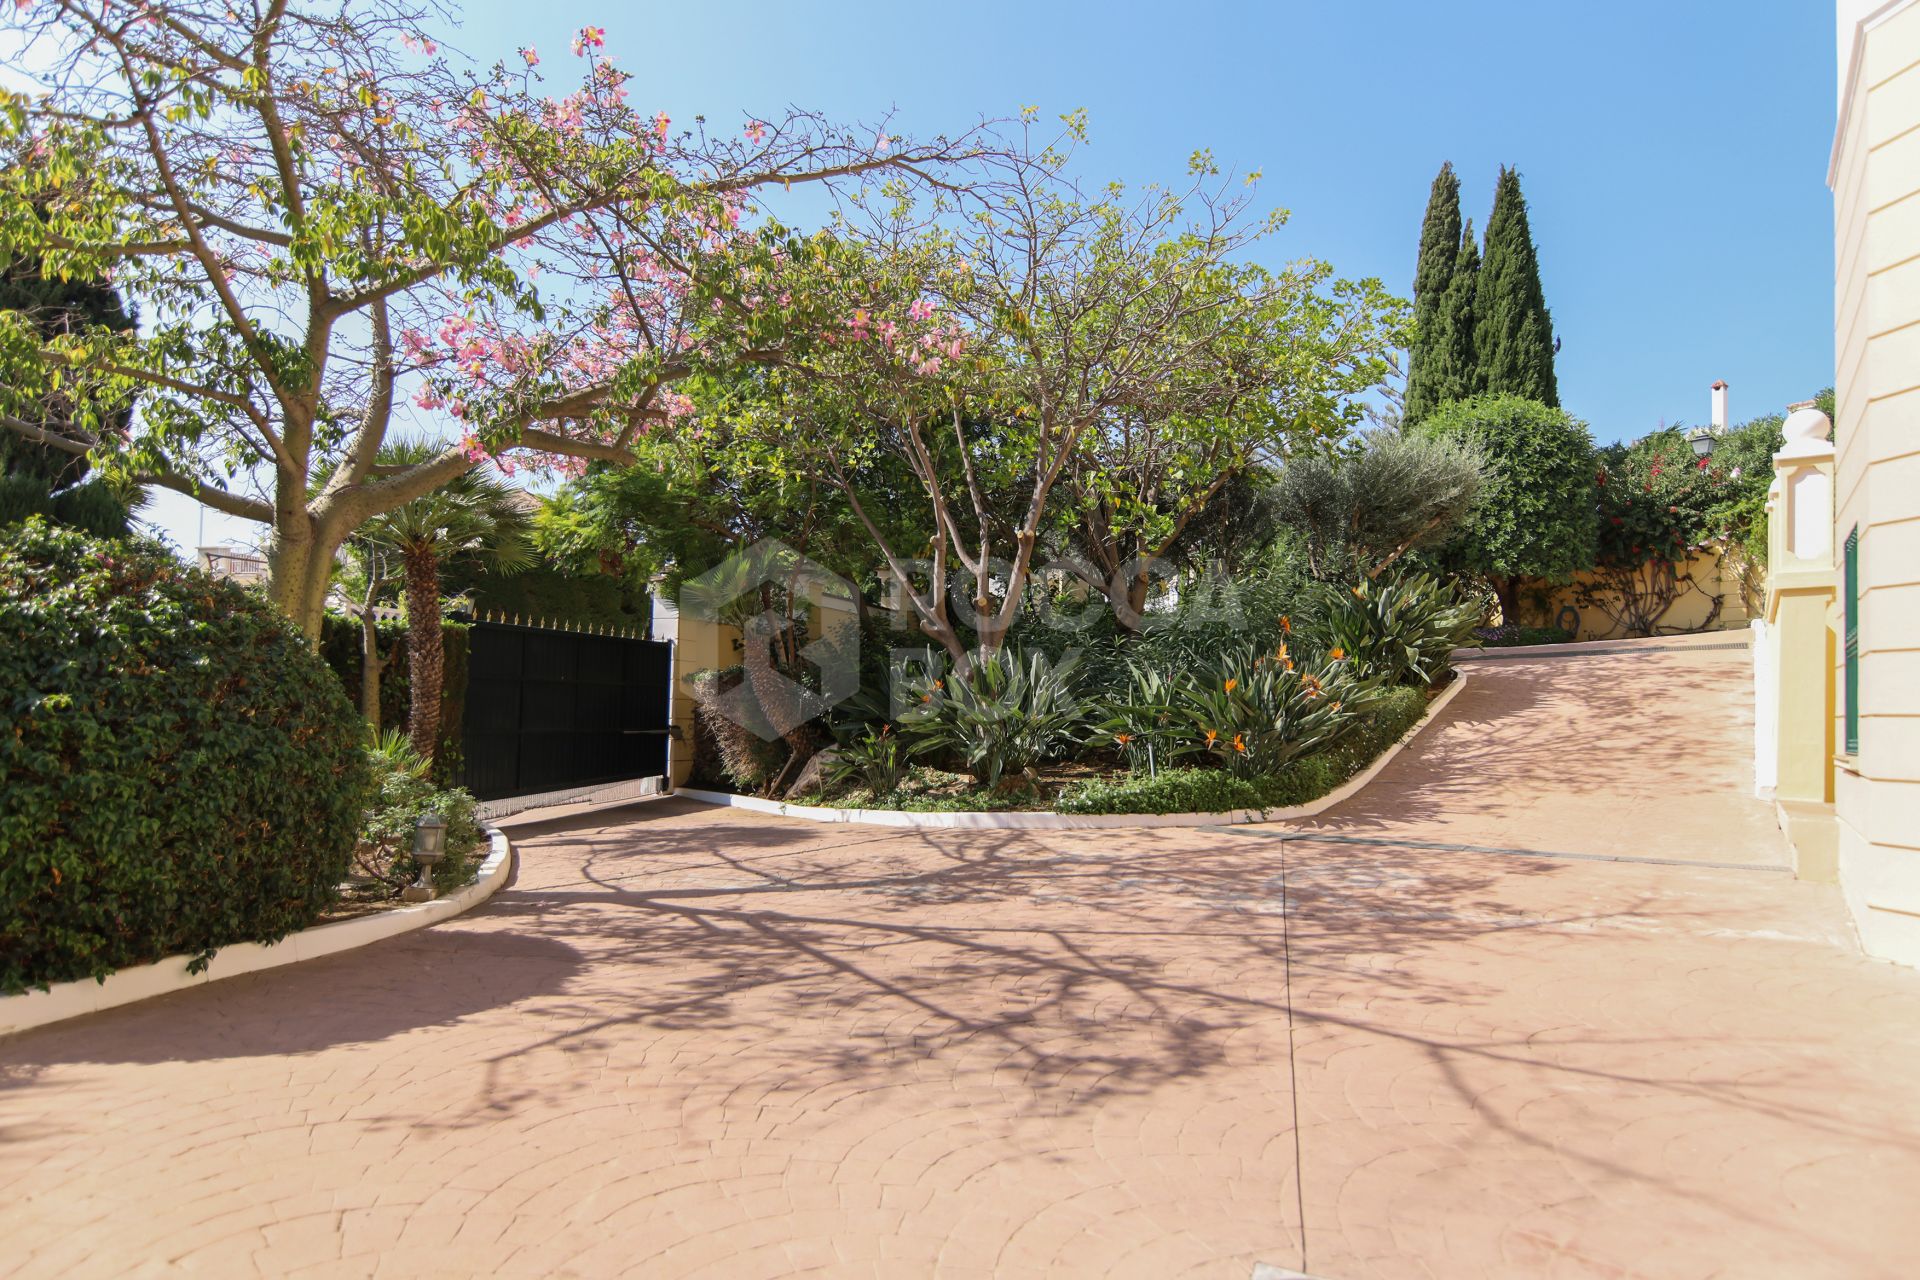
x=178 y=771
x=1189 y=790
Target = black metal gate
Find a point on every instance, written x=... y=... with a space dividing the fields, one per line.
x=548 y=710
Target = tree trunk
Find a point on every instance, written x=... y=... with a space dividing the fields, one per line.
x=425 y=658
x=372 y=665
x=1507 y=590
x=768 y=650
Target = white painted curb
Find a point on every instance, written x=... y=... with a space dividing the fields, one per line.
x=1727 y=639
x=87 y=995
x=978 y=820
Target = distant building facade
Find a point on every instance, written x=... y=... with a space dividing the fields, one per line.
x=235 y=564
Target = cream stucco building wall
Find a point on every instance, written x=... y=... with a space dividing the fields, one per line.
x=1875 y=177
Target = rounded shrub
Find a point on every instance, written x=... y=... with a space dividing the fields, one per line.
x=178 y=770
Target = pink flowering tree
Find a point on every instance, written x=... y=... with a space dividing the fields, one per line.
x=329 y=227
x=1023 y=351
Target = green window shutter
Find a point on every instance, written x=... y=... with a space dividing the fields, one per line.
x=1852 y=636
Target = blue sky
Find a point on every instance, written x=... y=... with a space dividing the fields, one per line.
x=1673 y=154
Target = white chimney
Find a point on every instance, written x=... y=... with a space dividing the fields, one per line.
x=1720 y=406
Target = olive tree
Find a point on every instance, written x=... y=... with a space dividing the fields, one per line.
x=1360 y=511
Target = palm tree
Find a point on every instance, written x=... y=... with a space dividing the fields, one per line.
x=477 y=516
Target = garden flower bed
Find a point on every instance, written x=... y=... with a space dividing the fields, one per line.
x=1247 y=719
x=1181 y=796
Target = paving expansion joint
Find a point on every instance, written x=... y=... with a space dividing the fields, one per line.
x=1440 y=846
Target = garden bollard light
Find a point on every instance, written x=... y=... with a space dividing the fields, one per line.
x=429 y=846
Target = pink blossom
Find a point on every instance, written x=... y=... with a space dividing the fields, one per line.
x=589 y=38
x=881 y=142
x=756 y=131
x=920 y=310
x=470 y=446
x=428 y=397
x=660 y=123
x=532 y=56
x=420 y=44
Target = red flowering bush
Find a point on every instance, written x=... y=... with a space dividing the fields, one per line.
x=1658 y=504
x=1657 y=500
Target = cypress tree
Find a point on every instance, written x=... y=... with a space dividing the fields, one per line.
x=1513 y=331
x=38 y=479
x=1439 y=247
x=1454 y=365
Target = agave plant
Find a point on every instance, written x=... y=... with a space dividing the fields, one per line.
x=1401 y=627
x=1255 y=711
x=1009 y=712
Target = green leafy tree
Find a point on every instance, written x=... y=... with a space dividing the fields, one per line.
x=473 y=516
x=316 y=212
x=1512 y=330
x=992 y=358
x=1535 y=517
x=1140 y=482
x=1432 y=277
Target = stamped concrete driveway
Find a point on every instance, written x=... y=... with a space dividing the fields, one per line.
x=1539 y=1003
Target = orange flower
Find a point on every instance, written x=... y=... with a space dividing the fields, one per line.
x=1311 y=685
x=1336 y=653
x=1286 y=626
x=1336 y=704
x=939 y=684
x=1239 y=744
x=1123 y=738
x=1230 y=685
x=1359 y=593
x=1212 y=737
x=1289 y=662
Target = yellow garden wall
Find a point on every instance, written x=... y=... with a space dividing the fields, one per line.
x=1708 y=578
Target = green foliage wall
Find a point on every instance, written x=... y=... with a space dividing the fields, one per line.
x=340 y=648
x=545 y=592
x=180 y=771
